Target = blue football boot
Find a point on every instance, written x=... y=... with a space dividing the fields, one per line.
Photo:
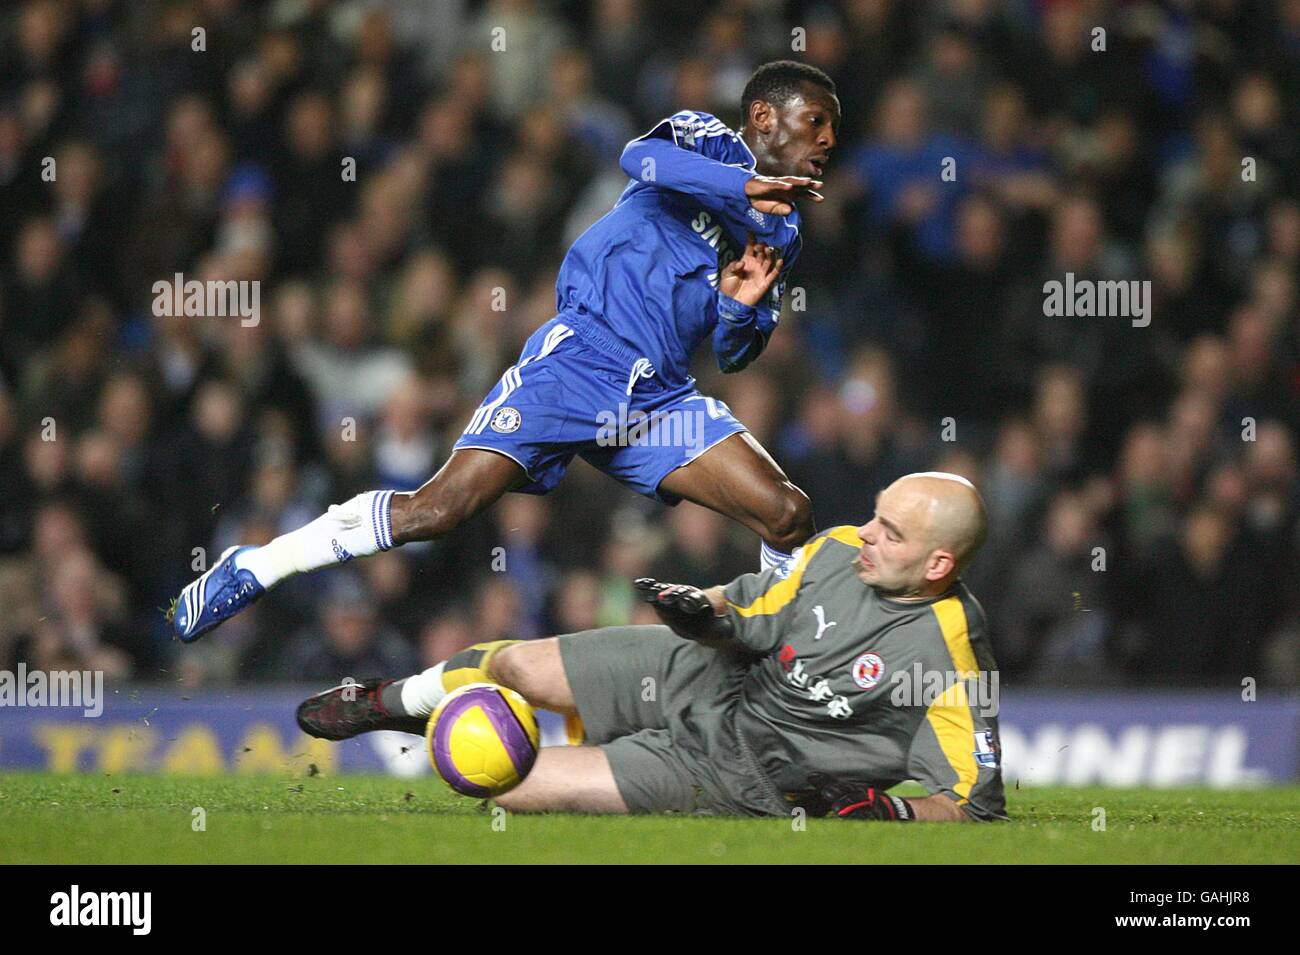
x=215 y=597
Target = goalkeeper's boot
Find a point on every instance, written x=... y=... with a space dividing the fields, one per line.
x=215 y=597
x=351 y=709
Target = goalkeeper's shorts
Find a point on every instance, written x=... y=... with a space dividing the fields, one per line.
x=662 y=708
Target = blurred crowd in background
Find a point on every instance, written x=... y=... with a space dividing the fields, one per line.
x=1142 y=481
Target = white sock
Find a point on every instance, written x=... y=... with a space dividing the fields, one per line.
x=422 y=693
x=357 y=528
x=771 y=558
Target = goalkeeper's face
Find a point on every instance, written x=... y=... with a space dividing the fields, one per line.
x=897 y=546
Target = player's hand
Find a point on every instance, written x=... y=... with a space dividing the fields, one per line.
x=776 y=194
x=685 y=609
x=854 y=802
x=748 y=278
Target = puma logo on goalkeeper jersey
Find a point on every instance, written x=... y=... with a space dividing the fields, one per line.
x=822 y=625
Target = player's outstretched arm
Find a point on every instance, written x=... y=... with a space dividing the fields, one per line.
x=676 y=155
x=665 y=165
x=776 y=194
x=690 y=612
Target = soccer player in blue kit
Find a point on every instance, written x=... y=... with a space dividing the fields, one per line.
x=698 y=246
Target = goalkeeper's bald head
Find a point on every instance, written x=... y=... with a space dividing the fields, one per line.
x=927 y=528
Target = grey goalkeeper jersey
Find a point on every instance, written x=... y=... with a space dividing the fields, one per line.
x=865 y=688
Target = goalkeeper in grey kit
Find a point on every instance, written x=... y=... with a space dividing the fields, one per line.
x=763 y=695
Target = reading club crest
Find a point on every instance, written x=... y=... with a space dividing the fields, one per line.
x=868 y=670
x=506 y=420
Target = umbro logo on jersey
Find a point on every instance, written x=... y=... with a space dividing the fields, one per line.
x=822 y=624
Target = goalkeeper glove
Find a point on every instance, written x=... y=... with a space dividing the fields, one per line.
x=853 y=802
x=686 y=609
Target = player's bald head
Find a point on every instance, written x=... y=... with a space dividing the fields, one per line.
x=951 y=510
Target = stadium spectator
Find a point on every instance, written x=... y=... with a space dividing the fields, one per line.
x=351 y=638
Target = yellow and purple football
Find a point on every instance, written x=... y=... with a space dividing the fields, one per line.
x=483 y=739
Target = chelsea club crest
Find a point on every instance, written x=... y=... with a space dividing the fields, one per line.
x=506 y=420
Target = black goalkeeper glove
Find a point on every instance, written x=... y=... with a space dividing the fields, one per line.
x=854 y=802
x=686 y=609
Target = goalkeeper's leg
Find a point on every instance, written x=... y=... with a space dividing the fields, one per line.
x=533 y=669
x=567 y=779
x=564 y=778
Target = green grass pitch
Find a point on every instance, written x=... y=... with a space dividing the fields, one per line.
x=48 y=818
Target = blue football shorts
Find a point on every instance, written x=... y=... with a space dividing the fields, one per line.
x=578 y=390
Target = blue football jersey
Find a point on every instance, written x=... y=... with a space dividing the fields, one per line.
x=647 y=271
